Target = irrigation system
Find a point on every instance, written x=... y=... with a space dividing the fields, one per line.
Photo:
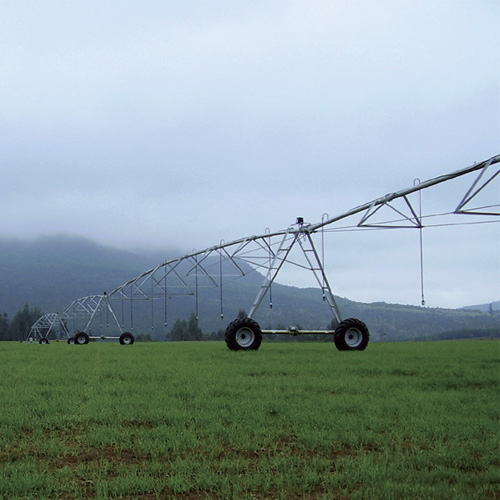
x=301 y=244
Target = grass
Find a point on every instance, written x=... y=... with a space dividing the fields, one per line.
x=290 y=421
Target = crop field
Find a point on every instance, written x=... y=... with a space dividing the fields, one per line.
x=193 y=420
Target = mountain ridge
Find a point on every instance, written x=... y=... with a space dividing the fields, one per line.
x=52 y=271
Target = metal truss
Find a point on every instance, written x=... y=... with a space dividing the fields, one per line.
x=46 y=325
x=213 y=266
x=86 y=308
x=400 y=205
x=269 y=252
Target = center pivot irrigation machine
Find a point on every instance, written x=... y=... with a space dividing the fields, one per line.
x=267 y=253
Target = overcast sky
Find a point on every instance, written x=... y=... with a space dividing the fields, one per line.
x=159 y=124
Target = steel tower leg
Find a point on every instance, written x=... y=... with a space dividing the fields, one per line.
x=314 y=264
x=318 y=270
x=274 y=268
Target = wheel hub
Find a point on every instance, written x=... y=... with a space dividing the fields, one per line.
x=245 y=337
x=353 y=337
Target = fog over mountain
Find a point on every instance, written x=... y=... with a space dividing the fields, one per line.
x=50 y=272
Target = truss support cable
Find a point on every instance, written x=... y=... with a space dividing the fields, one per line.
x=421 y=234
x=107 y=310
x=152 y=303
x=166 y=303
x=324 y=217
x=220 y=283
x=422 y=268
x=277 y=263
x=316 y=266
x=416 y=182
x=196 y=288
x=269 y=260
x=123 y=314
x=131 y=312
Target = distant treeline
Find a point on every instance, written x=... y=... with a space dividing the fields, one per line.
x=19 y=327
x=472 y=333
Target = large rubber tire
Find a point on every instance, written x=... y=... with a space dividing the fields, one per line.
x=81 y=338
x=43 y=340
x=126 y=338
x=71 y=340
x=351 y=335
x=243 y=334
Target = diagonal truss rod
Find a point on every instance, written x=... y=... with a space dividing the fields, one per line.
x=86 y=308
x=479 y=184
x=45 y=325
x=485 y=167
x=317 y=267
x=277 y=261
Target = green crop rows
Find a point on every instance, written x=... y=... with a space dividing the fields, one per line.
x=293 y=421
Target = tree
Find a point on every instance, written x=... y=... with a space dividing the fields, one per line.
x=22 y=322
x=186 y=330
x=218 y=335
x=179 y=330
x=144 y=337
x=4 y=326
x=193 y=330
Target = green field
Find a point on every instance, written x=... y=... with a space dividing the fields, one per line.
x=292 y=420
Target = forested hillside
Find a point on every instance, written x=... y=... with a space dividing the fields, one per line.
x=49 y=273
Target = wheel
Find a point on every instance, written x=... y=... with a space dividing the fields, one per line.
x=81 y=338
x=43 y=340
x=126 y=338
x=351 y=335
x=243 y=334
x=71 y=340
